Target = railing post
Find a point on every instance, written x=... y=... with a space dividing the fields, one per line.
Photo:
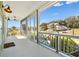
x=37 y=25
x=58 y=44
x=26 y=27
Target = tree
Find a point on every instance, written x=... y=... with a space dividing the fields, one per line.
x=62 y=22
x=14 y=30
x=43 y=26
x=72 y=22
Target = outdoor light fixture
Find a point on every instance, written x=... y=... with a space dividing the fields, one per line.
x=7 y=8
x=8 y=18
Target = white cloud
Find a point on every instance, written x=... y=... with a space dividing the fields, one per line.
x=70 y=2
x=58 y=4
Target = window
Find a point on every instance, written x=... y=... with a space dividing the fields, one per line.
x=23 y=25
x=63 y=17
x=32 y=26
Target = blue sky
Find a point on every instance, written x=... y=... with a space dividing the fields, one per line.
x=59 y=11
x=12 y=23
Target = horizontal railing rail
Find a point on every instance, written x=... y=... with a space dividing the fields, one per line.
x=76 y=37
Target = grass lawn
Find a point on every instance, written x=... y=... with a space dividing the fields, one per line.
x=76 y=41
x=76 y=32
x=69 y=32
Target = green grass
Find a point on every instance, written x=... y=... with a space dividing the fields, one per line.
x=67 y=44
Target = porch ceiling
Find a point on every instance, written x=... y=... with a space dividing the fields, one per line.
x=22 y=8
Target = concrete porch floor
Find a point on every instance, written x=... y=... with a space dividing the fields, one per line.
x=26 y=48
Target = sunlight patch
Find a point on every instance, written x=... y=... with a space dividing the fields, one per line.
x=20 y=37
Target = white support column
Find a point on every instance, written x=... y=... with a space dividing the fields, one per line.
x=5 y=27
x=1 y=28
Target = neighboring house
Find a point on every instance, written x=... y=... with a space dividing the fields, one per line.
x=60 y=28
x=50 y=25
x=57 y=27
